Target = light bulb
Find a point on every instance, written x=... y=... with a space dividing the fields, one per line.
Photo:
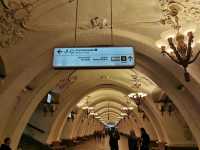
x=85 y=107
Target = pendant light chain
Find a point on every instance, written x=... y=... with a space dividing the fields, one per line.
x=76 y=23
x=111 y=22
x=108 y=113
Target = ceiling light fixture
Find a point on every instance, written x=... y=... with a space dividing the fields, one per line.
x=128 y=108
x=89 y=110
x=120 y=117
x=124 y=114
x=98 y=117
x=178 y=43
x=93 y=114
x=137 y=97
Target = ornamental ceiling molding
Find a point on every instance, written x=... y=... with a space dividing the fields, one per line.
x=188 y=10
x=13 y=14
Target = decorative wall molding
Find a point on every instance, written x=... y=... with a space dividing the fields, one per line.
x=13 y=14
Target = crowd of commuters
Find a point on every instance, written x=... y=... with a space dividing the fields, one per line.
x=134 y=143
x=99 y=135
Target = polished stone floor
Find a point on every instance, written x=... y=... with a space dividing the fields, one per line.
x=102 y=145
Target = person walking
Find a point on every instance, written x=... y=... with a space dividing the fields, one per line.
x=132 y=141
x=114 y=138
x=6 y=145
x=145 y=140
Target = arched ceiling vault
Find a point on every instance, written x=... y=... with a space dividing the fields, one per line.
x=110 y=109
x=104 y=107
x=87 y=94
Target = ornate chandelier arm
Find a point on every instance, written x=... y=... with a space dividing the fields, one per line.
x=193 y=60
x=171 y=44
x=190 y=41
x=171 y=57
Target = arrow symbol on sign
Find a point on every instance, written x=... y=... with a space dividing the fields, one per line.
x=130 y=58
x=59 y=51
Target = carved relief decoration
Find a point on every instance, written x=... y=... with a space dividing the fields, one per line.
x=13 y=14
x=96 y=23
x=186 y=10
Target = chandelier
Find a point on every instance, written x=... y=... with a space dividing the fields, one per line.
x=88 y=109
x=123 y=114
x=136 y=81
x=178 y=44
x=137 y=97
x=120 y=117
x=98 y=117
x=128 y=108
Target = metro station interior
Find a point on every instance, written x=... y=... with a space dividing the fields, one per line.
x=42 y=107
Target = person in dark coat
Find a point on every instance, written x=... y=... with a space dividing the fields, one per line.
x=145 y=140
x=6 y=145
x=114 y=137
x=132 y=141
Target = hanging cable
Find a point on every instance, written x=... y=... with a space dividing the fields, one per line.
x=111 y=21
x=76 y=23
x=108 y=113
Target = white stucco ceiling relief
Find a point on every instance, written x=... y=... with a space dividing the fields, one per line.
x=188 y=9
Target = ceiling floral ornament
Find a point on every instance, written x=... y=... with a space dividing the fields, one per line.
x=13 y=14
x=189 y=10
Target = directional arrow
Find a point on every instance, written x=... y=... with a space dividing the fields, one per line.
x=59 y=51
x=130 y=58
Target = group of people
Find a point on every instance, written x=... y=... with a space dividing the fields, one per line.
x=6 y=144
x=141 y=143
x=134 y=143
x=99 y=135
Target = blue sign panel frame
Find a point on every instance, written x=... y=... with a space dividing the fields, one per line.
x=93 y=57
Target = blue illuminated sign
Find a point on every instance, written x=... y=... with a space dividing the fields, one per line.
x=94 y=57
